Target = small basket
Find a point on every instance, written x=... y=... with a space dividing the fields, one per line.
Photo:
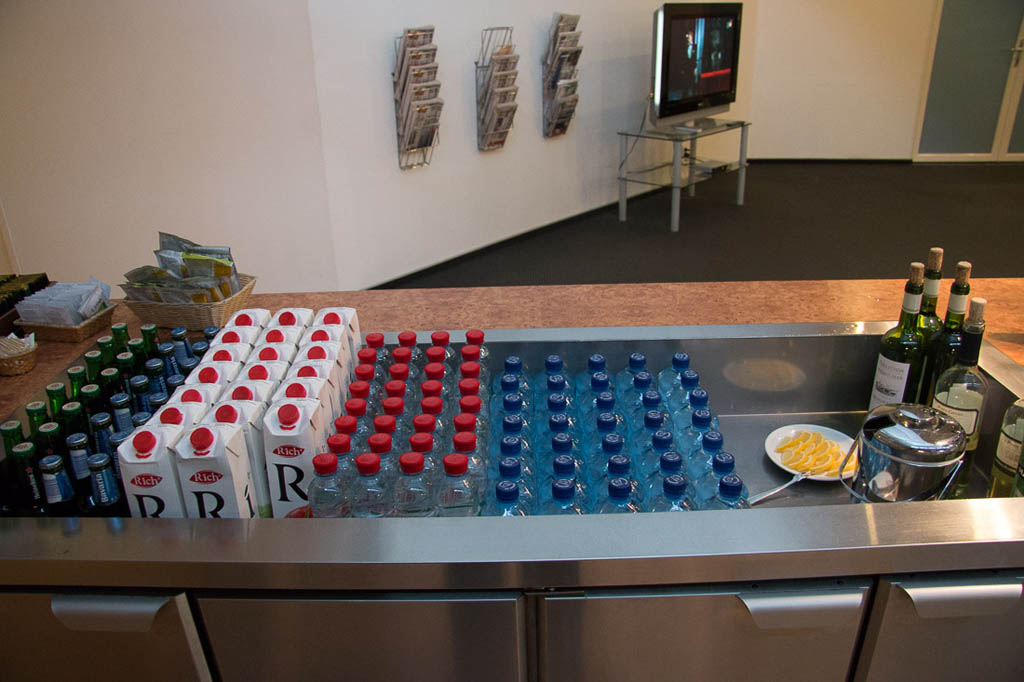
x=194 y=316
x=21 y=363
x=62 y=334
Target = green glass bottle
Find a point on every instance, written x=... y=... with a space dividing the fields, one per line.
x=126 y=364
x=149 y=338
x=93 y=366
x=56 y=396
x=138 y=348
x=92 y=399
x=901 y=356
x=36 y=411
x=110 y=382
x=73 y=419
x=11 y=433
x=927 y=321
x=50 y=441
x=942 y=349
x=119 y=332
x=27 y=481
x=1009 y=453
x=107 y=353
x=76 y=379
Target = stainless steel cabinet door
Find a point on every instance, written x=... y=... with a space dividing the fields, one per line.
x=965 y=626
x=793 y=631
x=48 y=636
x=445 y=637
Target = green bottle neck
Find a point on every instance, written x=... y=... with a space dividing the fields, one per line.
x=956 y=309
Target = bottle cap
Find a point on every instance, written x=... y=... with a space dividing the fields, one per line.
x=339 y=443
x=380 y=443
x=557 y=402
x=650 y=399
x=730 y=485
x=325 y=463
x=512 y=402
x=510 y=467
x=475 y=337
x=431 y=405
x=642 y=381
x=469 y=387
x=395 y=388
x=653 y=419
x=431 y=388
x=421 y=442
x=553 y=364
x=367 y=356
x=226 y=414
x=144 y=442
x=464 y=422
x=637 y=362
x=209 y=375
x=464 y=441
x=307 y=372
x=201 y=438
x=172 y=415
x=563 y=466
x=711 y=441
x=662 y=440
x=411 y=462
x=470 y=353
x=440 y=338
x=424 y=423
x=434 y=371
x=606 y=422
x=563 y=489
x=512 y=424
x=511 y=445
x=288 y=414
x=701 y=418
x=698 y=398
x=269 y=354
x=402 y=355
x=258 y=373
x=556 y=382
x=334 y=318
x=359 y=389
x=671 y=462
x=619 y=489
x=558 y=422
x=513 y=364
x=506 y=491
x=611 y=443
x=407 y=339
x=399 y=371
x=680 y=362
x=599 y=382
x=384 y=423
x=470 y=370
x=222 y=354
x=243 y=320
x=509 y=383
x=275 y=336
x=674 y=485
x=723 y=463
x=295 y=390
x=435 y=354
x=596 y=363
x=605 y=401
x=470 y=404
x=561 y=442
x=618 y=465
x=455 y=464
x=689 y=379
x=287 y=318
x=346 y=424
x=375 y=340
x=355 y=407
x=368 y=464
x=231 y=337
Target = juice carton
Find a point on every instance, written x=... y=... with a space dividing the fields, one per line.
x=292 y=317
x=214 y=372
x=259 y=391
x=307 y=387
x=229 y=352
x=248 y=414
x=292 y=436
x=213 y=467
x=149 y=474
x=322 y=369
x=330 y=351
x=347 y=318
x=269 y=352
x=236 y=335
x=249 y=317
x=281 y=335
x=197 y=393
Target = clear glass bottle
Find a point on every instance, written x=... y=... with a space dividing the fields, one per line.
x=1009 y=456
x=941 y=351
x=901 y=356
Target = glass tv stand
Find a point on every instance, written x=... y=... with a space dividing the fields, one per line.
x=695 y=171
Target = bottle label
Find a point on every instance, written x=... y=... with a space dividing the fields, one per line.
x=33 y=486
x=957 y=303
x=1008 y=452
x=57 y=487
x=1018 y=483
x=80 y=463
x=966 y=417
x=911 y=302
x=104 y=488
x=931 y=287
x=123 y=418
x=890 y=382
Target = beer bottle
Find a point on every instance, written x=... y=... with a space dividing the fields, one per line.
x=174 y=381
x=155 y=372
x=49 y=440
x=106 y=346
x=36 y=411
x=116 y=439
x=93 y=366
x=139 y=385
x=78 y=456
x=125 y=363
x=72 y=418
x=165 y=351
x=199 y=349
x=92 y=400
x=102 y=430
x=60 y=496
x=28 y=484
x=110 y=382
x=187 y=365
x=76 y=379
x=182 y=346
x=138 y=348
x=149 y=339
x=140 y=419
x=56 y=396
x=210 y=333
x=156 y=401
x=12 y=434
x=107 y=498
x=121 y=411
x=120 y=335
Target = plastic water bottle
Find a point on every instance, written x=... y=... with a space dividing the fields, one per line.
x=619 y=466
x=357 y=428
x=680 y=403
x=436 y=371
x=514 y=365
x=512 y=426
x=327 y=498
x=587 y=396
x=514 y=446
x=399 y=371
x=553 y=365
x=437 y=355
x=699 y=399
x=595 y=365
x=380 y=445
x=731 y=494
x=475 y=337
x=505 y=385
x=426 y=423
x=650 y=456
x=397 y=434
x=556 y=386
x=465 y=443
x=669 y=378
x=673 y=497
x=620 y=499
x=513 y=469
x=704 y=488
x=361 y=390
x=563 y=465
x=457 y=494
x=671 y=462
x=472 y=388
x=471 y=353
x=636 y=363
x=423 y=443
x=443 y=428
x=605 y=423
x=375 y=340
x=340 y=445
x=649 y=400
x=442 y=339
x=472 y=405
x=506 y=501
x=597 y=466
x=467 y=423
x=558 y=421
x=407 y=339
x=370 y=495
x=395 y=407
x=698 y=462
x=512 y=404
x=631 y=397
x=565 y=499
x=403 y=355
x=692 y=438
x=412 y=490
x=653 y=421
x=370 y=357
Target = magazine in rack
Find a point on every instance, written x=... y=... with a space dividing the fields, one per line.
x=416 y=92
x=560 y=80
x=496 y=88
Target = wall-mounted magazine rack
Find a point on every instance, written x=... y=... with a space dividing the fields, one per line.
x=496 y=87
x=417 y=104
x=560 y=79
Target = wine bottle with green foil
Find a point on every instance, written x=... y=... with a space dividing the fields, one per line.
x=898 y=372
x=942 y=349
x=927 y=321
x=1009 y=452
x=960 y=391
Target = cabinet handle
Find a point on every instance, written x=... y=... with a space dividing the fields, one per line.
x=952 y=601
x=804 y=610
x=106 y=613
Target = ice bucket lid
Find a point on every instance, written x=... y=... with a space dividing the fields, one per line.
x=914 y=433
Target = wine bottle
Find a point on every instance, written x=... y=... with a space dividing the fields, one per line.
x=942 y=349
x=960 y=391
x=927 y=321
x=898 y=372
x=1009 y=456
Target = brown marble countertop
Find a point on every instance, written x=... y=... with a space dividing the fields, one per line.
x=600 y=305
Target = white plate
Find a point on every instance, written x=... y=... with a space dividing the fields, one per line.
x=783 y=432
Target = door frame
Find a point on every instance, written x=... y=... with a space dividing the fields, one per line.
x=8 y=259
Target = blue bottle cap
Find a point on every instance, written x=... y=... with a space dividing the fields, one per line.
x=553 y=364
x=511 y=445
x=712 y=440
x=605 y=401
x=650 y=399
x=98 y=461
x=653 y=419
x=618 y=489
x=618 y=465
x=511 y=424
x=513 y=364
x=701 y=418
x=138 y=381
x=154 y=364
x=680 y=362
x=558 y=422
x=723 y=463
x=512 y=402
x=612 y=443
x=77 y=441
x=165 y=348
x=119 y=437
x=140 y=418
x=596 y=363
x=637 y=362
x=175 y=380
x=557 y=402
x=641 y=381
x=671 y=462
x=561 y=442
x=200 y=347
x=599 y=382
x=564 y=466
x=662 y=440
x=556 y=382
x=698 y=398
x=119 y=400
x=509 y=383
x=188 y=364
x=506 y=491
x=730 y=485
x=510 y=467
x=563 y=489
x=158 y=399
x=100 y=419
x=179 y=331
x=674 y=486
x=211 y=331
x=606 y=422
x=690 y=379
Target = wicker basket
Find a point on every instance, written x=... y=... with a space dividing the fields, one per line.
x=14 y=365
x=194 y=316
x=81 y=332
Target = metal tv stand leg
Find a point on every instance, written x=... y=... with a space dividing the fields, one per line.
x=677 y=158
x=692 y=186
x=741 y=175
x=623 y=151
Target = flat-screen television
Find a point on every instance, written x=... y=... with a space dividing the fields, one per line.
x=695 y=53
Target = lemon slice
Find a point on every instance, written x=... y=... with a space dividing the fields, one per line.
x=793 y=441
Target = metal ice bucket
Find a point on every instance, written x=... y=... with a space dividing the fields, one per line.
x=907 y=452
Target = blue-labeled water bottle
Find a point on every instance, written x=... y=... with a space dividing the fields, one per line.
x=587 y=396
x=650 y=400
x=556 y=385
x=673 y=497
x=699 y=399
x=650 y=456
x=671 y=462
x=597 y=466
x=619 y=466
x=632 y=395
x=620 y=499
x=731 y=494
x=669 y=378
x=553 y=366
x=514 y=365
x=636 y=363
x=506 y=501
x=595 y=365
x=505 y=385
x=679 y=405
x=514 y=446
x=512 y=404
x=564 y=466
x=704 y=488
x=691 y=439
x=512 y=427
x=606 y=423
x=698 y=462
x=513 y=469
x=653 y=421
x=558 y=420
x=565 y=499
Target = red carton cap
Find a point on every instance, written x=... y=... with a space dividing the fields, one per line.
x=287 y=318
x=231 y=337
x=407 y=339
x=464 y=441
x=325 y=463
x=295 y=390
x=209 y=375
x=243 y=320
x=424 y=423
x=258 y=373
x=411 y=463
x=469 y=387
x=470 y=370
x=380 y=443
x=288 y=414
x=346 y=425
x=395 y=389
x=172 y=415
x=421 y=442
x=375 y=340
x=355 y=407
x=464 y=422
x=367 y=356
x=475 y=336
x=275 y=336
x=222 y=355
x=470 y=353
x=320 y=335
x=339 y=443
x=316 y=353
x=384 y=423
x=440 y=338
x=431 y=388
x=455 y=464
x=242 y=393
x=269 y=354
x=470 y=404
x=144 y=442
x=393 y=406
x=368 y=463
x=431 y=405
x=191 y=396
x=332 y=318
x=201 y=438
x=399 y=370
x=434 y=370
x=307 y=371
x=359 y=389
x=226 y=414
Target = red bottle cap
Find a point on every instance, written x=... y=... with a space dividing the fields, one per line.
x=346 y=425
x=384 y=423
x=380 y=443
x=399 y=371
x=320 y=335
x=325 y=463
x=367 y=356
x=258 y=373
x=475 y=336
x=288 y=414
x=407 y=339
x=470 y=404
x=424 y=423
x=144 y=442
x=243 y=320
x=470 y=370
x=332 y=318
x=242 y=393
x=375 y=340
x=209 y=375
x=464 y=422
x=421 y=442
x=316 y=353
x=231 y=337
x=411 y=463
x=393 y=406
x=201 y=438
x=355 y=407
x=455 y=464
x=440 y=338
x=434 y=370
x=435 y=354
x=470 y=353
x=307 y=371
x=464 y=441
x=172 y=415
x=368 y=463
x=395 y=389
x=275 y=336
x=269 y=354
x=359 y=389
x=431 y=405
x=222 y=355
x=469 y=387
x=403 y=355
x=191 y=396
x=364 y=372
x=226 y=414
x=295 y=391
x=287 y=318
x=339 y=443
x=431 y=388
